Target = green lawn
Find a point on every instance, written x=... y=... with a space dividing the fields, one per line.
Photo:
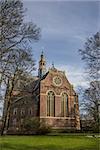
x=59 y=142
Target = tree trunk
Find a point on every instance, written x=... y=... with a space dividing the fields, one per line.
x=7 y=107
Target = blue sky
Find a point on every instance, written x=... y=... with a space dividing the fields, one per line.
x=65 y=26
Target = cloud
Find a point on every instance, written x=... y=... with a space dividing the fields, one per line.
x=64 y=19
x=75 y=75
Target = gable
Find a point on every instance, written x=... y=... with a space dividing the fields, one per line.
x=57 y=81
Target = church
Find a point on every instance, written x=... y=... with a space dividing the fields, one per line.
x=52 y=99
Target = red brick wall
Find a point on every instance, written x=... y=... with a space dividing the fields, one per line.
x=43 y=105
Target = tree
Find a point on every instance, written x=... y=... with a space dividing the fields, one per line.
x=21 y=66
x=91 y=96
x=91 y=103
x=91 y=55
x=15 y=34
x=16 y=58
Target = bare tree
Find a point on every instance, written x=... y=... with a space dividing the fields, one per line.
x=91 y=55
x=16 y=58
x=15 y=34
x=91 y=103
x=91 y=96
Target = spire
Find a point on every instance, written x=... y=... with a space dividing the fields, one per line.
x=53 y=67
x=42 y=57
x=42 y=65
x=42 y=54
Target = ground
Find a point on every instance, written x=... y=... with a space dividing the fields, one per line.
x=50 y=142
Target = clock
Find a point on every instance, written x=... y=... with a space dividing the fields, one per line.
x=57 y=80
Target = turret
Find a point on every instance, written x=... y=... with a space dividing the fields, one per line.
x=42 y=66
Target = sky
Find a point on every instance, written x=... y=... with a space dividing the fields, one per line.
x=65 y=26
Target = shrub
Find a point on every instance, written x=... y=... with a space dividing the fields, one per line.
x=35 y=126
x=44 y=128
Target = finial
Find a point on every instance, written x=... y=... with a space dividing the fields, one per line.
x=42 y=52
x=53 y=65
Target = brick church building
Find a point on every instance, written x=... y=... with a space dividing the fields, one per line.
x=53 y=99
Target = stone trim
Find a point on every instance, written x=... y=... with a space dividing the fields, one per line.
x=57 y=117
x=47 y=92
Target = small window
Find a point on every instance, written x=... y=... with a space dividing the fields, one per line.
x=30 y=111
x=15 y=111
x=22 y=111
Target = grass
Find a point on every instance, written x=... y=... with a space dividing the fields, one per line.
x=50 y=142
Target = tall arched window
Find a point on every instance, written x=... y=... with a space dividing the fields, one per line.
x=51 y=104
x=64 y=105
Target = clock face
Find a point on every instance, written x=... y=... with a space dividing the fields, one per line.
x=57 y=81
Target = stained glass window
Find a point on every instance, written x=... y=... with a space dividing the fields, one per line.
x=51 y=104
x=64 y=105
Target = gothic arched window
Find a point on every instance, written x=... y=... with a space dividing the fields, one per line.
x=64 y=105
x=51 y=104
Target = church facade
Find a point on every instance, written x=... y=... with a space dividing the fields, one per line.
x=53 y=99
